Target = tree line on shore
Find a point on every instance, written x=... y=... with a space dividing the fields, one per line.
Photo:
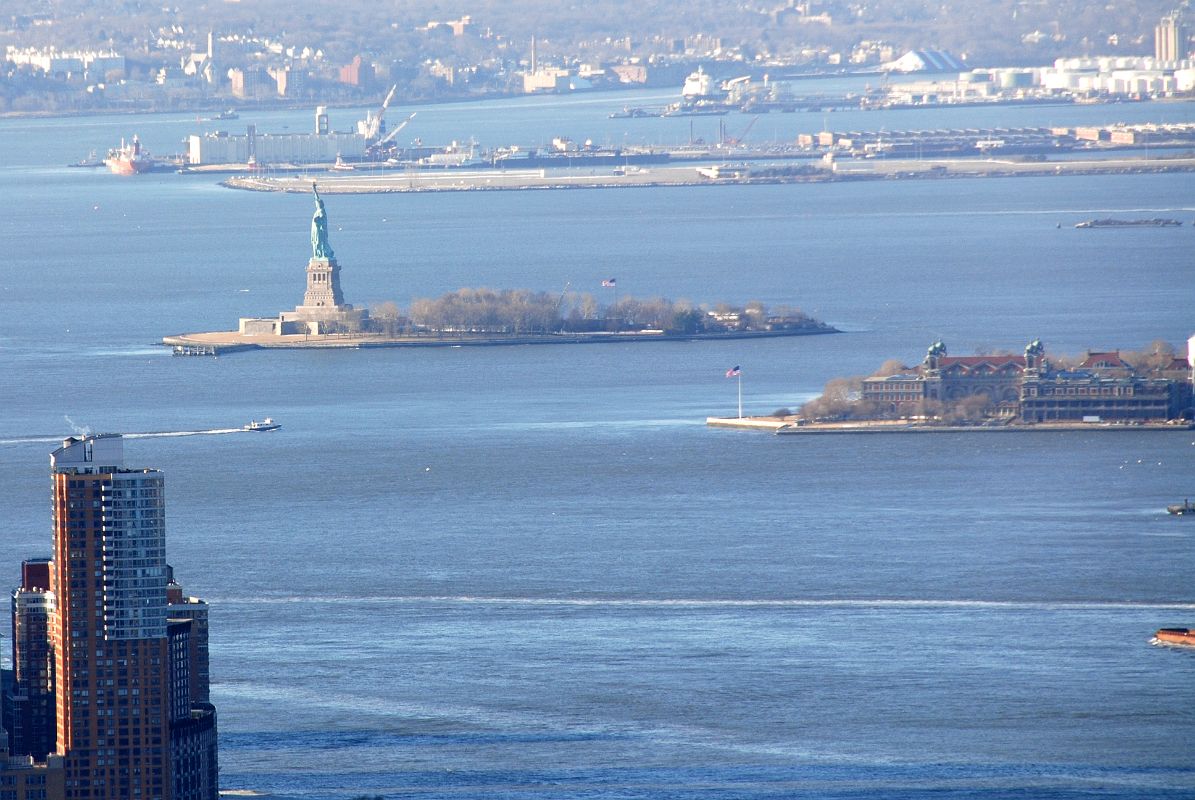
x=473 y=311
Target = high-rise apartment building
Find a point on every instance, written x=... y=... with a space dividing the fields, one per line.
x=1170 y=39
x=109 y=643
x=194 y=765
x=22 y=778
x=127 y=728
x=32 y=708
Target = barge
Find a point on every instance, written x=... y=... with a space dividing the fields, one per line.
x=1156 y=222
x=1179 y=636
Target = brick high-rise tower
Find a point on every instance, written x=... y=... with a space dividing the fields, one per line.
x=110 y=639
x=112 y=659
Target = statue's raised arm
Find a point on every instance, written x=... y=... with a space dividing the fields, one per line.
x=319 y=229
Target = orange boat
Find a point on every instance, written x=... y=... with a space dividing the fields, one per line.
x=1184 y=636
x=128 y=159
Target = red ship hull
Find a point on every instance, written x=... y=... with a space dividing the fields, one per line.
x=1184 y=636
x=128 y=159
x=123 y=166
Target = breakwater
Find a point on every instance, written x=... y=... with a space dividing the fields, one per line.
x=712 y=174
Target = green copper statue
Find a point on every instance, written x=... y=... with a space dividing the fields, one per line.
x=319 y=230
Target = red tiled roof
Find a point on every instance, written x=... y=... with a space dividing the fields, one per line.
x=1107 y=360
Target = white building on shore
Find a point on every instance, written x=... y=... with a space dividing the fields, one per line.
x=91 y=65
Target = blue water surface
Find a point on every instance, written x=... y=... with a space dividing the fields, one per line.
x=533 y=571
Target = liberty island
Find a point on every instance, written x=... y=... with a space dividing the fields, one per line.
x=325 y=321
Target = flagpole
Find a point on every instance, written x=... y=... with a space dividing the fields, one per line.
x=740 y=377
x=612 y=283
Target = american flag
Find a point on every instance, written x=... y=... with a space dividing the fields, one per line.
x=734 y=371
x=609 y=283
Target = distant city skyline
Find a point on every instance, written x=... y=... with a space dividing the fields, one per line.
x=82 y=58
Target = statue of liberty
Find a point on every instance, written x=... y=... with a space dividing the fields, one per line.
x=319 y=230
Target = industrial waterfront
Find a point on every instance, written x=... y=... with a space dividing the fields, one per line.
x=532 y=123
x=471 y=572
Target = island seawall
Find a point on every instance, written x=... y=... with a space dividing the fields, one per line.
x=222 y=342
x=782 y=426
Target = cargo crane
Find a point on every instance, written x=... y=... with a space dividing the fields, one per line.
x=379 y=147
x=732 y=141
x=737 y=88
x=374 y=125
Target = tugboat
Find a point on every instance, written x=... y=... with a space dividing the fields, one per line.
x=1180 y=636
x=1181 y=509
x=90 y=161
x=266 y=424
x=629 y=112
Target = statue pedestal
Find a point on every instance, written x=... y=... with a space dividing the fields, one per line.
x=323 y=284
x=323 y=309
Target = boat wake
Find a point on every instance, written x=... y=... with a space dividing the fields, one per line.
x=40 y=439
x=166 y=434
x=156 y=350
x=597 y=424
x=1156 y=642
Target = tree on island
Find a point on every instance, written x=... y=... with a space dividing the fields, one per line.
x=527 y=312
x=387 y=318
x=1157 y=356
x=840 y=399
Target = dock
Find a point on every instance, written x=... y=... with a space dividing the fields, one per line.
x=771 y=424
x=197 y=349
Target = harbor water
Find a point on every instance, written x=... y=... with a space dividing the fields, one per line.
x=533 y=572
